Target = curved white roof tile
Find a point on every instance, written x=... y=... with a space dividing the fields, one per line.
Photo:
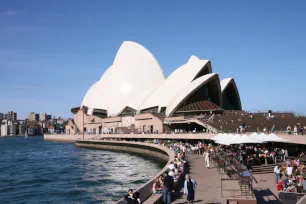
x=90 y=95
x=189 y=90
x=180 y=78
x=193 y=58
x=134 y=74
x=225 y=83
x=153 y=99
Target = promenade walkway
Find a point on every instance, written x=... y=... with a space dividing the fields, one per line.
x=209 y=182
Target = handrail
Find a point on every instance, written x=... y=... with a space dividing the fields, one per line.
x=302 y=200
x=246 y=187
x=285 y=197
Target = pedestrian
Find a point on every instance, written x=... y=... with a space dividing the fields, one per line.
x=168 y=186
x=129 y=195
x=189 y=188
x=277 y=172
x=206 y=157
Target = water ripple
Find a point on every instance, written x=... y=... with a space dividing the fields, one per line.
x=38 y=171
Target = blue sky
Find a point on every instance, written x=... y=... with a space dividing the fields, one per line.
x=47 y=47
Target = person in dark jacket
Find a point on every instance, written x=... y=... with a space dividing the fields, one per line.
x=130 y=194
x=168 y=186
x=134 y=199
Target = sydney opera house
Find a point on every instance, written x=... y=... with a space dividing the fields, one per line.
x=134 y=96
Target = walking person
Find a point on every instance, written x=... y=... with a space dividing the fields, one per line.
x=277 y=172
x=206 y=157
x=189 y=188
x=168 y=186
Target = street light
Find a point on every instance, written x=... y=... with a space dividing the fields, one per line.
x=83 y=109
x=83 y=124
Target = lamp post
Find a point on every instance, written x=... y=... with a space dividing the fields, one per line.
x=83 y=123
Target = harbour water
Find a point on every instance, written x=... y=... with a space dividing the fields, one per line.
x=36 y=171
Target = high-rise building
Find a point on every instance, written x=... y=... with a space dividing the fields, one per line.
x=33 y=117
x=11 y=115
x=4 y=128
x=49 y=117
x=45 y=117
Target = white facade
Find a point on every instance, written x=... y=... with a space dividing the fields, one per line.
x=4 y=128
x=136 y=80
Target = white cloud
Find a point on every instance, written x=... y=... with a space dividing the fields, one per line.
x=8 y=12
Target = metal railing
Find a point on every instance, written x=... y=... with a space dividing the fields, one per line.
x=238 y=187
x=292 y=198
x=302 y=200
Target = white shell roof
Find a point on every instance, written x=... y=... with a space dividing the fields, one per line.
x=136 y=80
x=193 y=58
x=90 y=95
x=226 y=82
x=175 y=83
x=134 y=74
x=188 y=90
x=179 y=79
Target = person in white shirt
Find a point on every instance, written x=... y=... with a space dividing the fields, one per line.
x=171 y=173
x=206 y=157
x=171 y=166
x=277 y=171
x=289 y=170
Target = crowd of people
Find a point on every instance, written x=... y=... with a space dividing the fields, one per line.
x=297 y=129
x=291 y=177
x=243 y=121
x=170 y=183
x=171 y=180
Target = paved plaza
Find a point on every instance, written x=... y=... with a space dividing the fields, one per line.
x=208 y=180
x=209 y=185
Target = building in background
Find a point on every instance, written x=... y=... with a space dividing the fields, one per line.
x=45 y=117
x=4 y=127
x=51 y=129
x=60 y=121
x=13 y=129
x=36 y=124
x=11 y=115
x=33 y=117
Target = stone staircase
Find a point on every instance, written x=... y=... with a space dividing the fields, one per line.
x=264 y=169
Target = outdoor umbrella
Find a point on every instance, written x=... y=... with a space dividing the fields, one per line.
x=274 y=138
x=218 y=136
x=227 y=139
x=259 y=137
x=244 y=139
